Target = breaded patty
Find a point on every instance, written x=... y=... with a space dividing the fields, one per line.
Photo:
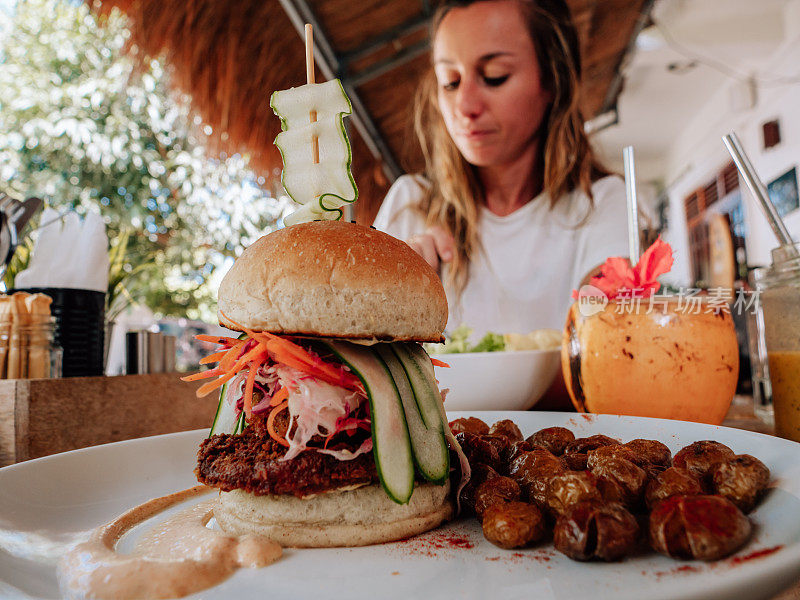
x=251 y=461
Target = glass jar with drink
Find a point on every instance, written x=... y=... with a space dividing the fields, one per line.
x=780 y=299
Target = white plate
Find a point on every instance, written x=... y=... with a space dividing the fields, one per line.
x=46 y=502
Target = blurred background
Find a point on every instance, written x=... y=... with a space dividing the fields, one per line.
x=155 y=114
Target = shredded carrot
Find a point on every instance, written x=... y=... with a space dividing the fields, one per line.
x=231 y=355
x=271 y=423
x=439 y=363
x=287 y=348
x=233 y=358
x=283 y=348
x=212 y=385
x=213 y=357
x=248 y=389
x=257 y=354
x=216 y=339
x=298 y=358
x=280 y=345
x=314 y=368
x=203 y=374
x=289 y=359
x=279 y=396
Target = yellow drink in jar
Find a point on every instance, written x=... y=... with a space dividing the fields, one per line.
x=784 y=371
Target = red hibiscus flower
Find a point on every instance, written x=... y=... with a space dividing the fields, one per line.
x=618 y=277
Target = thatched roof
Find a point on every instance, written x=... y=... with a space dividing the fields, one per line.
x=230 y=56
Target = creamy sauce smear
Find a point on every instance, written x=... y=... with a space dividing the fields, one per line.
x=178 y=557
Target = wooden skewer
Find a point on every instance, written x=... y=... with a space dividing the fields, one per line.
x=310 y=79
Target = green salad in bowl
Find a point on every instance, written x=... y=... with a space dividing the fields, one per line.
x=497 y=372
x=458 y=342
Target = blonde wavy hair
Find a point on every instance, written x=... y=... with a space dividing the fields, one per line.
x=452 y=201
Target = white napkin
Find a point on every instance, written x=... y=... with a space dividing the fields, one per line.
x=68 y=253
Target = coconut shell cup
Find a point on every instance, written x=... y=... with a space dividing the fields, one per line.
x=673 y=363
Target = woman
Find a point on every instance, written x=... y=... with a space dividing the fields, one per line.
x=514 y=209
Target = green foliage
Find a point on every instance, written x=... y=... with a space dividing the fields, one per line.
x=84 y=126
x=124 y=280
x=18 y=262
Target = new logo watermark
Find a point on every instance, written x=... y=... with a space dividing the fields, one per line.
x=690 y=301
x=591 y=300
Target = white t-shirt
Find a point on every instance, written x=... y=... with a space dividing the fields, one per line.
x=530 y=261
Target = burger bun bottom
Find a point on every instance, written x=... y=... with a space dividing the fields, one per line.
x=355 y=517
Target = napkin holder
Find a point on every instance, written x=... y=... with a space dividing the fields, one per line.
x=79 y=328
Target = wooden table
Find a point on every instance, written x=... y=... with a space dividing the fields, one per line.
x=741 y=416
x=39 y=417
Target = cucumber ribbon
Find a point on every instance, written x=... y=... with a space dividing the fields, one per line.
x=321 y=188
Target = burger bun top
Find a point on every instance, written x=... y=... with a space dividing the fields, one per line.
x=334 y=279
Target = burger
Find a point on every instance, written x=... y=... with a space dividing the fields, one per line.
x=330 y=429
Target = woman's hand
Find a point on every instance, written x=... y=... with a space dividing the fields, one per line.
x=435 y=245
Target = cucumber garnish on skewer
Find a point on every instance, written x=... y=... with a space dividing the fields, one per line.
x=322 y=188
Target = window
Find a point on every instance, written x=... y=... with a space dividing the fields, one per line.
x=721 y=195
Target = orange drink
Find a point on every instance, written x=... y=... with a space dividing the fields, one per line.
x=662 y=360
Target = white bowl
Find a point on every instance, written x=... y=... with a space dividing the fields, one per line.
x=496 y=380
